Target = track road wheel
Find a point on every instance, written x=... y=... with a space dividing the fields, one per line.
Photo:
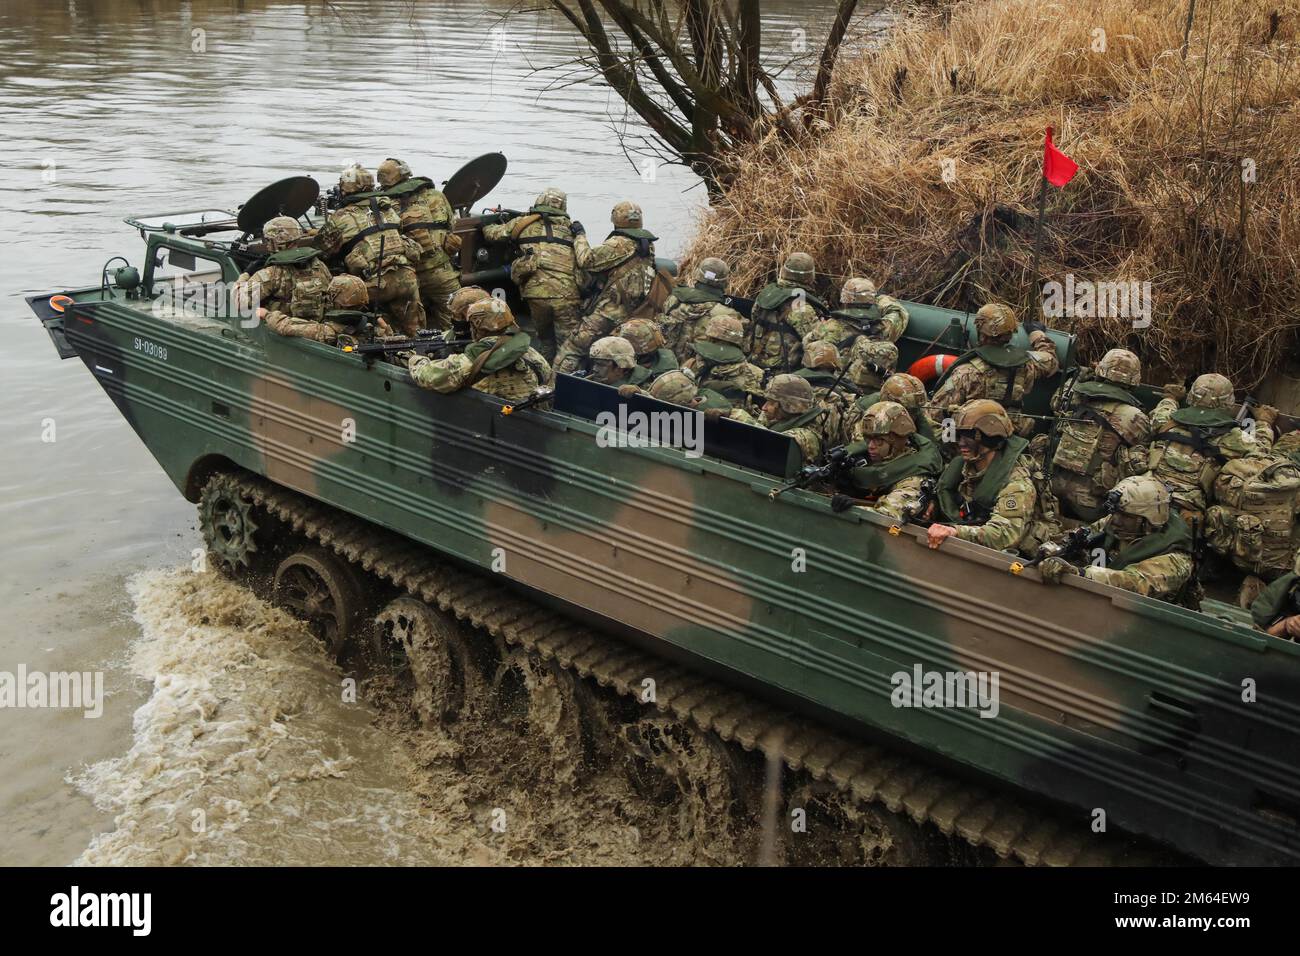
x=672 y=760
x=428 y=651
x=316 y=585
x=549 y=705
x=229 y=524
x=836 y=830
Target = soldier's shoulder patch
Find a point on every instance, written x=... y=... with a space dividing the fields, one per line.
x=1009 y=503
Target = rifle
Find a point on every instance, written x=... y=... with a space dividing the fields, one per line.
x=836 y=462
x=426 y=342
x=539 y=396
x=915 y=510
x=1077 y=543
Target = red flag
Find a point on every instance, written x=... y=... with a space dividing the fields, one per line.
x=1058 y=169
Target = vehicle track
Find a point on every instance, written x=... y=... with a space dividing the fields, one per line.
x=865 y=773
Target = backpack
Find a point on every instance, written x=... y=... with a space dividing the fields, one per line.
x=1252 y=521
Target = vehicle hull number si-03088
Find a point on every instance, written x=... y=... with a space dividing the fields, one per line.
x=151 y=348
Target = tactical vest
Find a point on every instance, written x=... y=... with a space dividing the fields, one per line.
x=309 y=282
x=383 y=234
x=1276 y=601
x=923 y=458
x=1008 y=359
x=1186 y=455
x=1082 y=446
x=1252 y=521
x=1174 y=537
x=979 y=508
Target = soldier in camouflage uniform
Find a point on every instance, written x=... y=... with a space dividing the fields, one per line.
x=986 y=494
x=791 y=409
x=293 y=282
x=1101 y=434
x=365 y=227
x=997 y=370
x=783 y=313
x=688 y=310
x=501 y=361
x=677 y=386
x=821 y=367
x=346 y=295
x=719 y=364
x=426 y=217
x=612 y=361
x=863 y=314
x=1276 y=610
x=652 y=357
x=1190 y=445
x=871 y=362
x=898 y=459
x=545 y=269
x=623 y=267
x=459 y=305
x=1148 y=546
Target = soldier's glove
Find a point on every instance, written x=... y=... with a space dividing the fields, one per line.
x=627 y=391
x=841 y=503
x=1266 y=414
x=576 y=227
x=1175 y=391
x=1053 y=569
x=451 y=243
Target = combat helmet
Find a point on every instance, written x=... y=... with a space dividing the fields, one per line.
x=463 y=298
x=615 y=349
x=879 y=355
x=1211 y=390
x=985 y=416
x=995 y=320
x=676 y=386
x=489 y=315
x=886 y=418
x=643 y=334
x=799 y=268
x=793 y=394
x=857 y=291
x=356 y=179
x=281 y=231
x=906 y=390
x=391 y=172
x=348 y=292
x=626 y=215
x=712 y=272
x=1121 y=367
x=721 y=343
x=553 y=199
x=821 y=355
x=1143 y=496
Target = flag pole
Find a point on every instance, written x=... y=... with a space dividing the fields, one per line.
x=1038 y=234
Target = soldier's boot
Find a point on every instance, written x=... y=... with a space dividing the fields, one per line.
x=397 y=294
x=437 y=284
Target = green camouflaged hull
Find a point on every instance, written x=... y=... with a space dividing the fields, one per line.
x=1108 y=701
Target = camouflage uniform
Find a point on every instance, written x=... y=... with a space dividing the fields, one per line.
x=677 y=386
x=719 y=365
x=1277 y=608
x=1155 y=562
x=625 y=267
x=365 y=225
x=426 y=216
x=688 y=310
x=1000 y=372
x=1190 y=445
x=797 y=414
x=783 y=313
x=294 y=282
x=871 y=363
x=1101 y=436
x=833 y=392
x=345 y=293
x=893 y=482
x=863 y=315
x=652 y=357
x=545 y=269
x=513 y=370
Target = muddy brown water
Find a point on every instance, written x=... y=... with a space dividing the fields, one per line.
x=224 y=736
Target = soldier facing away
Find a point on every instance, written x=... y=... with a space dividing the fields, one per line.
x=863 y=314
x=1148 y=546
x=784 y=312
x=899 y=459
x=1102 y=434
x=997 y=370
x=545 y=269
x=689 y=308
x=426 y=217
x=986 y=494
x=365 y=232
x=292 y=282
x=501 y=361
x=623 y=269
x=347 y=294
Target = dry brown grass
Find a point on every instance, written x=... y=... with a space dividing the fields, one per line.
x=1159 y=196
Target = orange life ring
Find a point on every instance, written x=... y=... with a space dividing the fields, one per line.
x=929 y=368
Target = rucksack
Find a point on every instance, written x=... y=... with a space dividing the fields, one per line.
x=1252 y=520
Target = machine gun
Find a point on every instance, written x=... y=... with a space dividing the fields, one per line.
x=837 y=462
x=539 y=396
x=1078 y=543
x=426 y=342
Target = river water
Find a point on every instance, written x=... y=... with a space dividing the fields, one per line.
x=223 y=737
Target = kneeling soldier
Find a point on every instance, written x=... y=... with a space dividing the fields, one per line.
x=1148 y=546
x=501 y=361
